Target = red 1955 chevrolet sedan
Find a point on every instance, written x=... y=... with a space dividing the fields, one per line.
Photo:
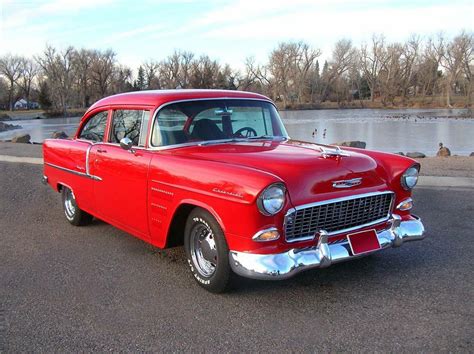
x=217 y=172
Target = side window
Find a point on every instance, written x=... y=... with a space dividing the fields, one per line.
x=130 y=124
x=168 y=128
x=94 y=129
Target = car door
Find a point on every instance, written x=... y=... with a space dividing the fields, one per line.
x=121 y=193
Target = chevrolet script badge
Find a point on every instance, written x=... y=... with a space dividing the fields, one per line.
x=348 y=183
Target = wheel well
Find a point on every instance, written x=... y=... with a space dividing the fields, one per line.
x=59 y=187
x=176 y=231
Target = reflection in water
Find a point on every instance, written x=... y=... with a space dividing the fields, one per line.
x=386 y=130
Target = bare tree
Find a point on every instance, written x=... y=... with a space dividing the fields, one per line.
x=150 y=70
x=82 y=63
x=408 y=60
x=102 y=69
x=29 y=70
x=343 y=58
x=58 y=68
x=290 y=65
x=10 y=67
x=372 y=60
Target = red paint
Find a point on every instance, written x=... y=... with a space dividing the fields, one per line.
x=140 y=193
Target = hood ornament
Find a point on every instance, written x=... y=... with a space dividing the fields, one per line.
x=347 y=183
x=329 y=150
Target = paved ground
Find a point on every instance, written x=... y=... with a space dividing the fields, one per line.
x=64 y=288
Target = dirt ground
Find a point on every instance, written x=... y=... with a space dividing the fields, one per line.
x=453 y=166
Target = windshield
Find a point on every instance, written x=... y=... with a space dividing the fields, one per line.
x=216 y=121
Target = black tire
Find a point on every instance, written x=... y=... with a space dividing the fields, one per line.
x=211 y=269
x=74 y=215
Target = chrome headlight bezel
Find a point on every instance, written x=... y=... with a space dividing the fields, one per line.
x=274 y=192
x=409 y=178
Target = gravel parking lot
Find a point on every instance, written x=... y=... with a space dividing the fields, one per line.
x=64 y=288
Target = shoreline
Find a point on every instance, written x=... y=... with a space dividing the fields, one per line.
x=452 y=166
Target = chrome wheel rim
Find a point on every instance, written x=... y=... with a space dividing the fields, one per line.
x=203 y=250
x=69 y=205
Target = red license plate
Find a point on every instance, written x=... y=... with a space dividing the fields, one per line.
x=363 y=242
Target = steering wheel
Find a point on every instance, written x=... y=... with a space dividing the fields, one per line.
x=249 y=132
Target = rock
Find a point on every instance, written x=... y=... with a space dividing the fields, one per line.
x=4 y=127
x=25 y=139
x=355 y=144
x=400 y=153
x=443 y=152
x=59 y=135
x=4 y=117
x=472 y=154
x=415 y=155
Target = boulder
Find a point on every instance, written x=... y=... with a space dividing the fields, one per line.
x=400 y=153
x=443 y=152
x=415 y=155
x=25 y=139
x=4 y=127
x=354 y=144
x=472 y=154
x=4 y=117
x=59 y=135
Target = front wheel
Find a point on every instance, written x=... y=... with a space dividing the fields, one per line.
x=207 y=251
x=74 y=215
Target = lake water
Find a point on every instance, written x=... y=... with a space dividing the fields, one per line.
x=385 y=130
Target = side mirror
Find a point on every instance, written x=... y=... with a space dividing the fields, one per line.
x=126 y=144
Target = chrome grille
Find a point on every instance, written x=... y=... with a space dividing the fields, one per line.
x=337 y=215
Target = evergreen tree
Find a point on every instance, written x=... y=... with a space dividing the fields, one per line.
x=140 y=83
x=44 y=97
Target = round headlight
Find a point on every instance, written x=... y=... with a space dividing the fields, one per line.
x=272 y=199
x=410 y=178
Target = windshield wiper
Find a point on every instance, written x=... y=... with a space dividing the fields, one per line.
x=240 y=140
x=262 y=137
x=222 y=141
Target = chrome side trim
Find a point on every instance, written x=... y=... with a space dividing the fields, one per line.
x=335 y=200
x=82 y=174
x=287 y=264
x=88 y=151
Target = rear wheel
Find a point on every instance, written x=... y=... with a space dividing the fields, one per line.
x=207 y=251
x=73 y=214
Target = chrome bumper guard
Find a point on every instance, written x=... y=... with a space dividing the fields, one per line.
x=287 y=264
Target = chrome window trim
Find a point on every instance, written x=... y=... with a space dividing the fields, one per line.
x=174 y=146
x=335 y=200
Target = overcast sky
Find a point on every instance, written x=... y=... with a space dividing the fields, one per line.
x=227 y=30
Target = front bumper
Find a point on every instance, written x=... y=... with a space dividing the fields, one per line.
x=287 y=264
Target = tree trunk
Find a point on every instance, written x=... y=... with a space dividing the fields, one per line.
x=448 y=94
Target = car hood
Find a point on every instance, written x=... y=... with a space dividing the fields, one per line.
x=308 y=173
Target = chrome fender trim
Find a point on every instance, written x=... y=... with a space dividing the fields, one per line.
x=287 y=264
